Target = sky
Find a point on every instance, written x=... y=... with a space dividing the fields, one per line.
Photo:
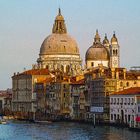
x=24 y=24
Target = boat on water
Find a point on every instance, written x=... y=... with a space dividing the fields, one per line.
x=43 y=122
x=2 y=121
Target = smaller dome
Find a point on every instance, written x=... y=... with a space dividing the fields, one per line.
x=114 y=38
x=97 y=52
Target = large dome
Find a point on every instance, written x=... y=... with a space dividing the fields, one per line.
x=59 y=51
x=59 y=44
x=97 y=52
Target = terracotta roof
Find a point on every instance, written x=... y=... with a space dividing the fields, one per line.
x=36 y=72
x=134 y=90
x=80 y=82
x=47 y=80
x=5 y=95
x=132 y=75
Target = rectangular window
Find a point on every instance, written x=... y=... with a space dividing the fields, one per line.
x=114 y=116
x=138 y=108
x=118 y=101
x=0 y=104
x=125 y=101
x=114 y=100
x=111 y=116
x=92 y=64
x=128 y=101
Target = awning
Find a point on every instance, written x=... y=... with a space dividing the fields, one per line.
x=137 y=119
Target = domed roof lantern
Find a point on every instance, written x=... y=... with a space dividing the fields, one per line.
x=59 y=26
x=114 y=38
x=97 y=37
x=105 y=41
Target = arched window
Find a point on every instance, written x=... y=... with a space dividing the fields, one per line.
x=116 y=52
x=107 y=83
x=67 y=68
x=113 y=52
x=62 y=67
x=135 y=83
x=121 y=84
x=127 y=84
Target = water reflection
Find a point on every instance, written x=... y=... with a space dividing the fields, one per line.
x=63 y=131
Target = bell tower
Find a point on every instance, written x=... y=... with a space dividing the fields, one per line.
x=114 y=52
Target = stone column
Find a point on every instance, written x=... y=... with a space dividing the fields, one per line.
x=124 y=73
x=113 y=73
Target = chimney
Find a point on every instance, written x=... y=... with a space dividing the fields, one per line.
x=124 y=73
x=117 y=74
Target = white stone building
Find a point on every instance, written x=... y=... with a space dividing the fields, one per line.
x=24 y=95
x=125 y=106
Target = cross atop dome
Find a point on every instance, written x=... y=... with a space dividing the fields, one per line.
x=59 y=11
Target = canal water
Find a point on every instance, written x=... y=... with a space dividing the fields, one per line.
x=64 y=131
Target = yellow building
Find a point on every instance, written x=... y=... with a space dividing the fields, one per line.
x=58 y=97
x=102 y=82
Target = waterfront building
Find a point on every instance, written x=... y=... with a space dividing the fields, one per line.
x=41 y=96
x=58 y=97
x=77 y=89
x=24 y=96
x=101 y=82
x=125 y=107
x=6 y=102
x=2 y=102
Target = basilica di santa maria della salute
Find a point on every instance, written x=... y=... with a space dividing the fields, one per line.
x=58 y=86
x=59 y=51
